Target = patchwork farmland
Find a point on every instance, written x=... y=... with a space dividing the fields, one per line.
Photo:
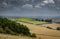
x=37 y=27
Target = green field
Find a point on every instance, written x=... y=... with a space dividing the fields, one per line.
x=32 y=21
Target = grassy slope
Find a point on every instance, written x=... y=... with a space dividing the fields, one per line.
x=29 y=20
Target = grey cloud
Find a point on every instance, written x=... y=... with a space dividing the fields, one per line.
x=6 y=4
x=29 y=7
x=57 y=3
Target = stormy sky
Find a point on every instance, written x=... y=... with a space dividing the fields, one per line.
x=29 y=7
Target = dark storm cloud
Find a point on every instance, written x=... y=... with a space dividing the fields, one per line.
x=57 y=3
x=29 y=7
x=9 y=4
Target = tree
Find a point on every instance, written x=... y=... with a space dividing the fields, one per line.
x=11 y=27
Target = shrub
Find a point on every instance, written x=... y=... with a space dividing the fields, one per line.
x=58 y=28
x=49 y=27
x=33 y=35
x=1 y=30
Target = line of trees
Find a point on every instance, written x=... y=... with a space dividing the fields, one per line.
x=44 y=20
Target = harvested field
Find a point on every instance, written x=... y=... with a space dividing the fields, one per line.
x=54 y=25
x=43 y=32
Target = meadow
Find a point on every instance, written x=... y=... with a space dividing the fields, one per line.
x=31 y=21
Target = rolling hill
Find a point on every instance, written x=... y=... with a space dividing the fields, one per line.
x=43 y=32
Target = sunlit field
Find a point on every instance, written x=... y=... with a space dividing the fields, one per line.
x=29 y=20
